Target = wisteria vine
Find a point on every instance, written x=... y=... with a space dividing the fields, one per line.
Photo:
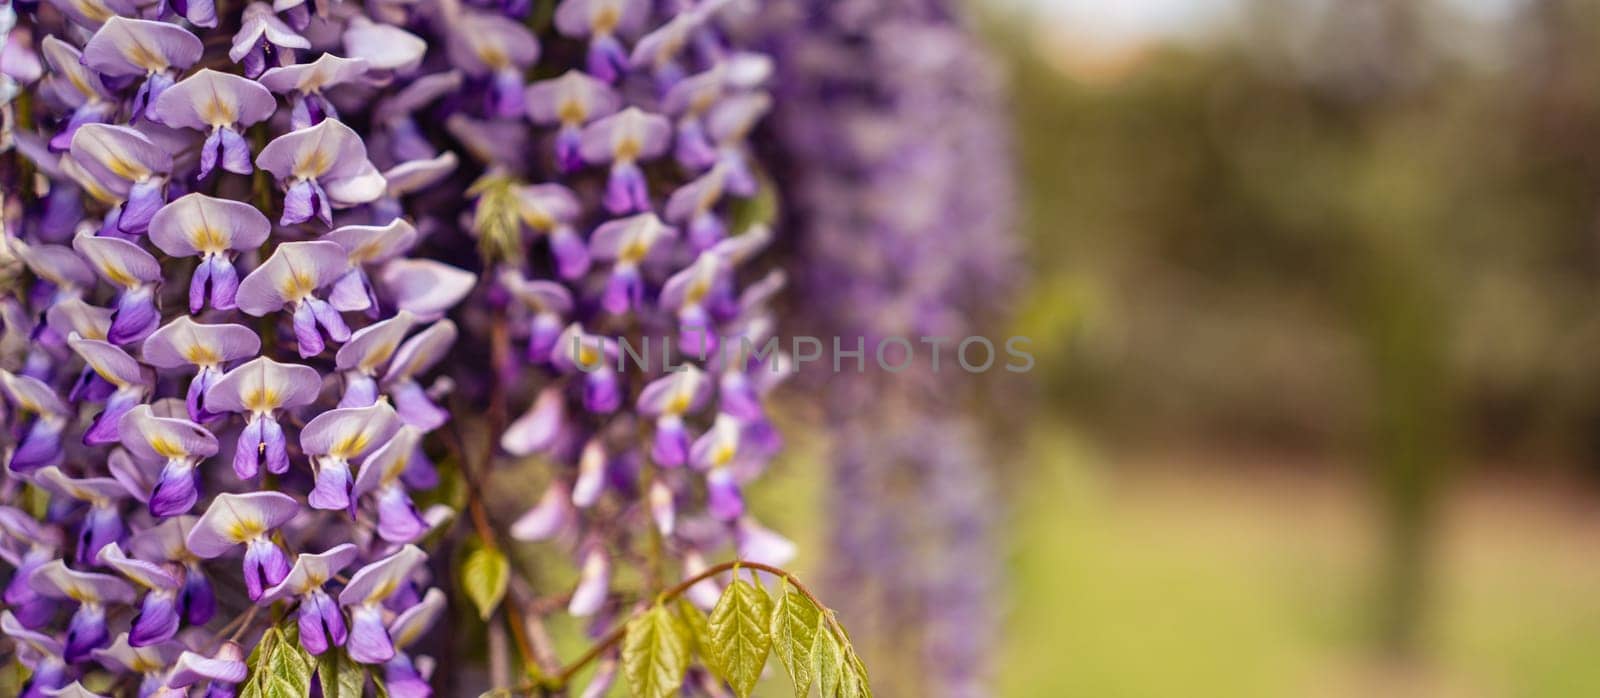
x=275 y=274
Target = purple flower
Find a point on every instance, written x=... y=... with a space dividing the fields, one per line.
x=220 y=105
x=122 y=164
x=259 y=389
x=184 y=343
x=570 y=101
x=322 y=167
x=91 y=592
x=159 y=616
x=305 y=83
x=624 y=139
x=369 y=641
x=196 y=225
x=336 y=438
x=263 y=41
x=495 y=49
x=181 y=444
x=600 y=21
x=139 y=48
x=248 y=520
x=321 y=623
x=290 y=278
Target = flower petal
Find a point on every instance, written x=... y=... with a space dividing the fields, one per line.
x=109 y=362
x=293 y=272
x=349 y=432
x=311 y=570
x=233 y=519
x=574 y=98
x=325 y=72
x=149 y=575
x=386 y=464
x=118 y=154
x=371 y=347
x=184 y=342
x=129 y=47
x=55 y=580
x=426 y=287
x=414 y=621
x=262 y=385
x=327 y=148
x=422 y=352
x=379 y=580
x=154 y=438
x=383 y=46
x=210 y=99
x=374 y=244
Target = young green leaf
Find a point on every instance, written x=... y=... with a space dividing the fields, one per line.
x=484 y=576
x=655 y=653
x=340 y=676
x=853 y=680
x=699 y=631
x=794 y=631
x=278 y=667
x=739 y=636
x=828 y=658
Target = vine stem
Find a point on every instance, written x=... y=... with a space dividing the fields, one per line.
x=617 y=633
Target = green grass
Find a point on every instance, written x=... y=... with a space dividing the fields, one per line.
x=1202 y=582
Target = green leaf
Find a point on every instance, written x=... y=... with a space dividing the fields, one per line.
x=340 y=676
x=794 y=631
x=699 y=631
x=829 y=659
x=739 y=636
x=655 y=653
x=853 y=680
x=278 y=667
x=379 y=688
x=484 y=576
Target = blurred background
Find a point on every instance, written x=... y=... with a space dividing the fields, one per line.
x=1314 y=299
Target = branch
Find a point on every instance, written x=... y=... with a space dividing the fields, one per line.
x=617 y=633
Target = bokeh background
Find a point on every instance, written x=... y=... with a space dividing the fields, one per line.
x=1314 y=294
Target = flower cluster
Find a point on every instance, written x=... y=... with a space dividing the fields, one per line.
x=900 y=188
x=235 y=278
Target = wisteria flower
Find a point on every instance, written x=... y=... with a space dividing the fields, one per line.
x=337 y=437
x=264 y=40
x=570 y=101
x=92 y=592
x=141 y=48
x=184 y=343
x=128 y=168
x=369 y=587
x=210 y=228
x=291 y=277
x=221 y=105
x=322 y=167
x=305 y=83
x=497 y=49
x=178 y=443
x=260 y=389
x=248 y=520
x=321 y=623
x=600 y=21
x=624 y=139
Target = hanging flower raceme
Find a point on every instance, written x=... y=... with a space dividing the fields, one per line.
x=932 y=194
x=248 y=323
